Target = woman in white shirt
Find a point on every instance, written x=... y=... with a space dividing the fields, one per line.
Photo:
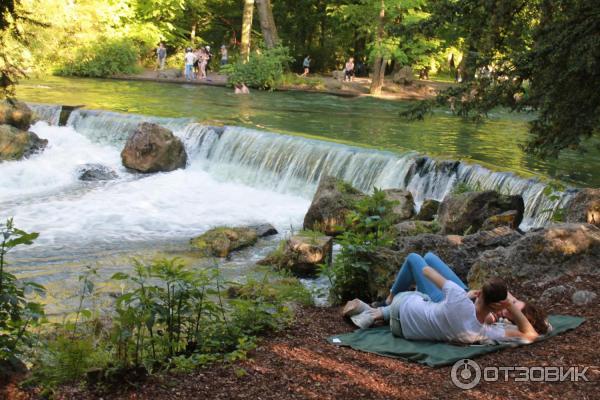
x=441 y=309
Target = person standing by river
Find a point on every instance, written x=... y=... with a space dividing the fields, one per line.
x=189 y=59
x=306 y=65
x=224 y=55
x=161 y=56
x=349 y=70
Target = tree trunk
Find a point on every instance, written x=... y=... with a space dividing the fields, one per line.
x=267 y=23
x=378 y=75
x=380 y=62
x=246 y=29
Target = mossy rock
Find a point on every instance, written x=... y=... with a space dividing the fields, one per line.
x=16 y=113
x=414 y=228
x=16 y=144
x=221 y=241
x=301 y=254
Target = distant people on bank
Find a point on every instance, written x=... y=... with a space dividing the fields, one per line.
x=209 y=57
x=224 y=55
x=360 y=69
x=161 y=56
x=424 y=73
x=202 y=62
x=198 y=54
x=241 y=88
x=306 y=65
x=189 y=59
x=349 y=70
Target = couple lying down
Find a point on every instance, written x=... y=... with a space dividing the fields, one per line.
x=442 y=308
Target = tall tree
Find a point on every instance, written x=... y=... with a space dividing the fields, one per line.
x=380 y=61
x=267 y=23
x=544 y=56
x=246 y=29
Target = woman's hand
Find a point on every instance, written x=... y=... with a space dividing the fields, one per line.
x=473 y=294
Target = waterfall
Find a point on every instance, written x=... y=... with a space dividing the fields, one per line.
x=46 y=112
x=294 y=165
x=113 y=128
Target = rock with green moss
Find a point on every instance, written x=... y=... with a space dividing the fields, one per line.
x=331 y=203
x=16 y=114
x=302 y=253
x=466 y=212
x=584 y=207
x=16 y=144
x=428 y=211
x=405 y=205
x=414 y=228
x=221 y=241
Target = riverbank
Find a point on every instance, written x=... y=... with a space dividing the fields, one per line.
x=299 y=364
x=359 y=87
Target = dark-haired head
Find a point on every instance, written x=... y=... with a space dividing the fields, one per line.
x=537 y=317
x=494 y=290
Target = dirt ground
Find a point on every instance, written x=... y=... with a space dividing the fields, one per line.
x=300 y=364
x=418 y=90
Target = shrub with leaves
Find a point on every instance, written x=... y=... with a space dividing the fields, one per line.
x=17 y=313
x=102 y=58
x=368 y=228
x=263 y=70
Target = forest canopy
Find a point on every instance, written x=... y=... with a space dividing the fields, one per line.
x=527 y=55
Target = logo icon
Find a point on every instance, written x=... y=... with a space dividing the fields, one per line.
x=465 y=374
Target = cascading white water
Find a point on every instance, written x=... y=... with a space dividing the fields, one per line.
x=290 y=164
x=46 y=112
x=275 y=176
x=43 y=193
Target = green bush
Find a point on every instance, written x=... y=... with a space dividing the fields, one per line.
x=263 y=70
x=368 y=227
x=17 y=313
x=104 y=57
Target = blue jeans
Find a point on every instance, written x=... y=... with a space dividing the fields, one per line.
x=188 y=72
x=412 y=272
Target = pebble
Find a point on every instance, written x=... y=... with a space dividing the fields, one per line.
x=583 y=297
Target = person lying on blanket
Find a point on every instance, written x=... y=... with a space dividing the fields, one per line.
x=441 y=309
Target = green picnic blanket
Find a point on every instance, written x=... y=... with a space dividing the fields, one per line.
x=380 y=340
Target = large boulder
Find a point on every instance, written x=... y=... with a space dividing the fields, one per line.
x=542 y=255
x=221 y=241
x=16 y=144
x=466 y=212
x=152 y=148
x=404 y=76
x=95 y=172
x=459 y=252
x=15 y=113
x=301 y=254
x=331 y=203
x=584 y=207
x=405 y=207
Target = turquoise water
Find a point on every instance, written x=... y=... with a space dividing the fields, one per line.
x=360 y=121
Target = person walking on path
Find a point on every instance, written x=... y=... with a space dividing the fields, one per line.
x=161 y=56
x=224 y=55
x=349 y=70
x=202 y=62
x=189 y=64
x=306 y=65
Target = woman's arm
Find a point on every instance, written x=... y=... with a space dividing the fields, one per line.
x=526 y=330
x=434 y=277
